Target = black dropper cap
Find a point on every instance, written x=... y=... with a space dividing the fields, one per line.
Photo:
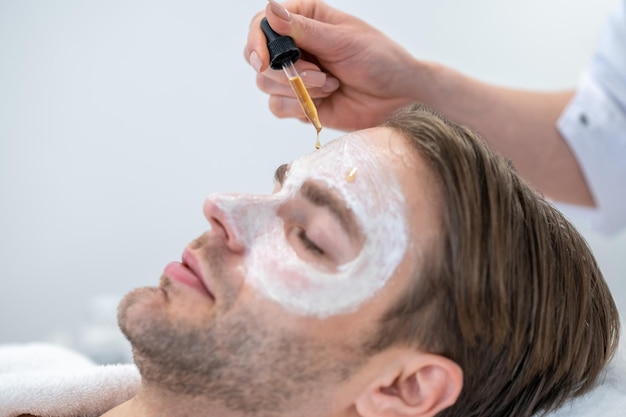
x=282 y=48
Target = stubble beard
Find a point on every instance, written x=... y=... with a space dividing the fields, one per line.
x=236 y=361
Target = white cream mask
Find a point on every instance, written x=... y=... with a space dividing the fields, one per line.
x=351 y=169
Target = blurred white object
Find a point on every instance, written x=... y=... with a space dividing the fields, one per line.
x=100 y=337
x=44 y=379
x=608 y=396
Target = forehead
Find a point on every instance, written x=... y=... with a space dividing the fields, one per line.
x=376 y=147
x=381 y=160
x=359 y=162
x=383 y=154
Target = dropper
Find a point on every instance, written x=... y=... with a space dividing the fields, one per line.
x=283 y=54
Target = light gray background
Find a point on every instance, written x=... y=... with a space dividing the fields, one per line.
x=118 y=117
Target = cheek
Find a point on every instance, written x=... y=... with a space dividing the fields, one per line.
x=275 y=272
x=278 y=268
x=272 y=262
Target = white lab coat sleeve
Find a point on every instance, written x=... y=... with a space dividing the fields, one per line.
x=594 y=125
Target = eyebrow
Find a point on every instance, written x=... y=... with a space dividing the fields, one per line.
x=280 y=173
x=323 y=197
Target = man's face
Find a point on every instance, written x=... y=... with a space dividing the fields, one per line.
x=279 y=296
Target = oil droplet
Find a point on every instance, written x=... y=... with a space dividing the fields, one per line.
x=317 y=141
x=351 y=174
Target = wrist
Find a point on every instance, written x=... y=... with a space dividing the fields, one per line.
x=413 y=80
x=449 y=91
x=432 y=83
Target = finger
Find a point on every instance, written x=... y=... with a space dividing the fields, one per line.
x=318 y=84
x=275 y=75
x=273 y=87
x=313 y=9
x=309 y=23
x=255 y=52
x=314 y=77
x=320 y=81
x=284 y=107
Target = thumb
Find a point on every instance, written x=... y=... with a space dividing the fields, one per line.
x=314 y=35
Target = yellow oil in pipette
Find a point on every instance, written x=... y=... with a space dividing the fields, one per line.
x=308 y=107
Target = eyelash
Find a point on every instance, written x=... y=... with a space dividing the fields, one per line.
x=308 y=243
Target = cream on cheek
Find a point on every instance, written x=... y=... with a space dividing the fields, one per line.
x=275 y=270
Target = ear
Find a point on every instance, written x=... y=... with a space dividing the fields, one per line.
x=421 y=385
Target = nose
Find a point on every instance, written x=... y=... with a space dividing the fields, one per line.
x=222 y=222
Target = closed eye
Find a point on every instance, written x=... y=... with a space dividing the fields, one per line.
x=309 y=244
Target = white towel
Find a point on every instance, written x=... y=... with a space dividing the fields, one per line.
x=48 y=380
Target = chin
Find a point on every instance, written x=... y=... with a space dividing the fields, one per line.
x=137 y=307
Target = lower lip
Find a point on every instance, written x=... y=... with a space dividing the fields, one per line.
x=180 y=273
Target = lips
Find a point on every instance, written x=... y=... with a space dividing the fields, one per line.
x=188 y=273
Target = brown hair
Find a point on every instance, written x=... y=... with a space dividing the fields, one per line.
x=511 y=291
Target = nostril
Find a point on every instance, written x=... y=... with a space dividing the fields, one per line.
x=221 y=224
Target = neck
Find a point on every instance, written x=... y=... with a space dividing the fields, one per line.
x=155 y=402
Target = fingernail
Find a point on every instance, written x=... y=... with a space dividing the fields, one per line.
x=330 y=85
x=255 y=61
x=279 y=10
x=313 y=78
